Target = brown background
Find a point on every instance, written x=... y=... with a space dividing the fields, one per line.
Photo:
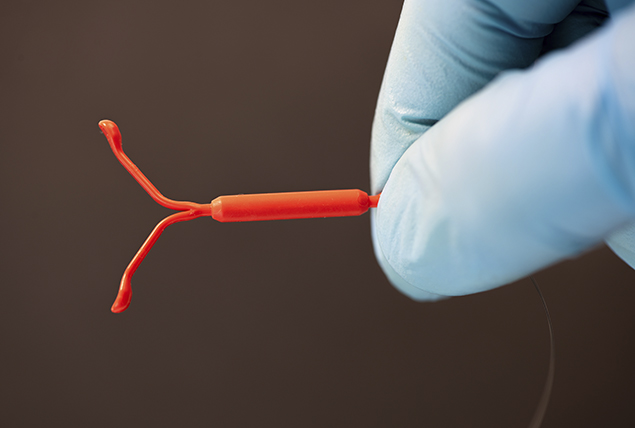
x=281 y=324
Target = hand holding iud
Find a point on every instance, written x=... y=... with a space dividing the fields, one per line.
x=234 y=208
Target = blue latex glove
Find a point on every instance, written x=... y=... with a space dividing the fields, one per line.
x=531 y=168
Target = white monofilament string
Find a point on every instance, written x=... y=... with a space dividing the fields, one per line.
x=541 y=409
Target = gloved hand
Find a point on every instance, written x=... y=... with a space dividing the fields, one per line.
x=533 y=167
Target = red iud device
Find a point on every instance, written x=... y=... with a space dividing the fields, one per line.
x=232 y=208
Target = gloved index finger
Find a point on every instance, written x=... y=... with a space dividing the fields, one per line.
x=443 y=52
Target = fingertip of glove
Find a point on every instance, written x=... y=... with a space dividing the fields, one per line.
x=622 y=242
x=397 y=280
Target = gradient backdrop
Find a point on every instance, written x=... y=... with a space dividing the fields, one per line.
x=280 y=324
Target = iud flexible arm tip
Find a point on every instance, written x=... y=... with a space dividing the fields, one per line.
x=233 y=208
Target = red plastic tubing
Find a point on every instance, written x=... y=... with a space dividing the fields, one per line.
x=233 y=208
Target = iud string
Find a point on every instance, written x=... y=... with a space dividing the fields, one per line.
x=233 y=208
x=541 y=409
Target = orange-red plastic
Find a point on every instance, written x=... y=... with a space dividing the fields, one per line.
x=279 y=206
x=233 y=208
x=189 y=211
